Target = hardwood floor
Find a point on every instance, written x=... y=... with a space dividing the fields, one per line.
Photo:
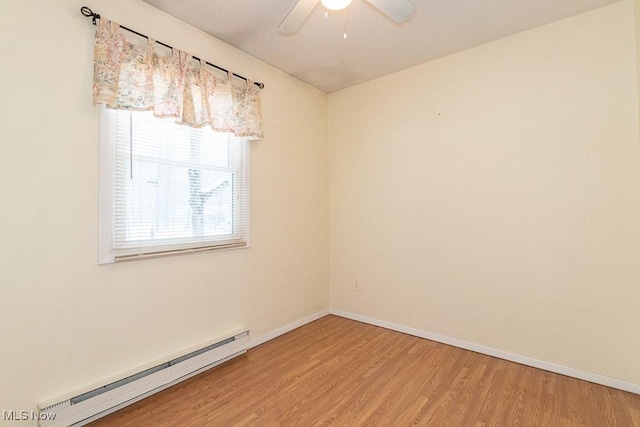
x=336 y=371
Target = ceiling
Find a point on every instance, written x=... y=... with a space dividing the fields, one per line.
x=318 y=55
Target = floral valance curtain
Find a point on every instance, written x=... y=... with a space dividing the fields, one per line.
x=132 y=77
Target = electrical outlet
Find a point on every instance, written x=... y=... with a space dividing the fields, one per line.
x=356 y=286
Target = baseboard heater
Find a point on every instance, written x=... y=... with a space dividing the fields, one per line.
x=82 y=407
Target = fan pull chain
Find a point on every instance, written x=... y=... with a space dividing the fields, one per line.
x=326 y=12
x=345 y=24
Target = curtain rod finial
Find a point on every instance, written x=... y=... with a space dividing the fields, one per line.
x=89 y=14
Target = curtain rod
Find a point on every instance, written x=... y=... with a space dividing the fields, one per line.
x=95 y=16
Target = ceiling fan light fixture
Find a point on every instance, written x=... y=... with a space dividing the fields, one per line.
x=335 y=4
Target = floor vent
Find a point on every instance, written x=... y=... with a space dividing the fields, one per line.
x=82 y=407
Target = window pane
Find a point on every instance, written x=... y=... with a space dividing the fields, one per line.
x=166 y=202
x=162 y=139
x=175 y=186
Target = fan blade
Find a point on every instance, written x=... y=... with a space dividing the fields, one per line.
x=297 y=16
x=398 y=10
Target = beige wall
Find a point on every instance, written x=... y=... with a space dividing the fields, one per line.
x=66 y=322
x=493 y=196
x=637 y=15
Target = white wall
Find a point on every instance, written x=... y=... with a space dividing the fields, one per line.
x=66 y=322
x=493 y=196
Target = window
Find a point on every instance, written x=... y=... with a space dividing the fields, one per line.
x=168 y=188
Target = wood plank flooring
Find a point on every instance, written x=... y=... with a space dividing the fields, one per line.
x=336 y=371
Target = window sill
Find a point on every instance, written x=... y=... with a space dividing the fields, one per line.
x=113 y=259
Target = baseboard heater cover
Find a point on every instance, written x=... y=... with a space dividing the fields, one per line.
x=84 y=406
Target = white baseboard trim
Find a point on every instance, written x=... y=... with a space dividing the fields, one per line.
x=547 y=366
x=287 y=328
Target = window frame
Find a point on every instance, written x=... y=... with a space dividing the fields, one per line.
x=106 y=252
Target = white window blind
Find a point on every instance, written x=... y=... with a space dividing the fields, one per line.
x=169 y=188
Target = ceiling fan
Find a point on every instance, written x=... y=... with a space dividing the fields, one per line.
x=398 y=10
